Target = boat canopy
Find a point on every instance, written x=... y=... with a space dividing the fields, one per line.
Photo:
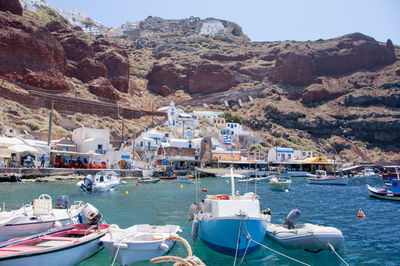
x=316 y=160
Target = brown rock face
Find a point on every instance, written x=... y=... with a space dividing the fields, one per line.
x=89 y=69
x=315 y=93
x=164 y=75
x=294 y=69
x=117 y=63
x=14 y=6
x=300 y=65
x=202 y=79
x=30 y=54
x=102 y=87
x=209 y=78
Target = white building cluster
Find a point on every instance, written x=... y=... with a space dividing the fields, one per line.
x=212 y=27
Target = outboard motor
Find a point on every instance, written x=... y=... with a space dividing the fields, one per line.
x=87 y=183
x=91 y=213
x=293 y=216
x=62 y=202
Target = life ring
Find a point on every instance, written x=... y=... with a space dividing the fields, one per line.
x=395 y=183
x=222 y=197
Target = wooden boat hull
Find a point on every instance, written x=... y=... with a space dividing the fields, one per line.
x=339 y=181
x=51 y=254
x=382 y=194
x=20 y=230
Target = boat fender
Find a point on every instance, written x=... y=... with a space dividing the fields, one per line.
x=192 y=210
x=164 y=247
x=120 y=245
x=195 y=229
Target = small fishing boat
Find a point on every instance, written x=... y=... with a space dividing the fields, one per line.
x=321 y=178
x=279 y=183
x=253 y=179
x=139 y=242
x=390 y=192
x=309 y=237
x=102 y=181
x=168 y=177
x=229 y=224
x=367 y=173
x=38 y=217
x=148 y=180
x=65 y=246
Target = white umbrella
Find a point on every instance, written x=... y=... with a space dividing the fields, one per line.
x=23 y=148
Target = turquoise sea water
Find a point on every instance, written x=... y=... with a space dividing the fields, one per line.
x=370 y=241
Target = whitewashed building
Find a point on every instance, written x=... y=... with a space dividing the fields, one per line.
x=210 y=116
x=279 y=154
x=92 y=140
x=212 y=27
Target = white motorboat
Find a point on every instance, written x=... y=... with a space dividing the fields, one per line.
x=38 y=217
x=103 y=181
x=253 y=179
x=139 y=242
x=148 y=180
x=367 y=173
x=280 y=183
x=229 y=224
x=321 y=178
x=309 y=237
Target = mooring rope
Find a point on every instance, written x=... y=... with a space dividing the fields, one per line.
x=334 y=251
x=270 y=249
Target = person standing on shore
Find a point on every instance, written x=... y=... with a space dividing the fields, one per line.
x=42 y=160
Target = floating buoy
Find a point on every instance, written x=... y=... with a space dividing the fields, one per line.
x=360 y=214
x=137 y=184
x=126 y=192
x=204 y=190
x=181 y=186
x=162 y=182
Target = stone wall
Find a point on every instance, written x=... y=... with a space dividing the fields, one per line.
x=69 y=105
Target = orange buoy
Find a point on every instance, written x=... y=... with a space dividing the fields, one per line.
x=360 y=214
x=204 y=190
x=137 y=184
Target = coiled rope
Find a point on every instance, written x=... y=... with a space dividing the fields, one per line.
x=190 y=260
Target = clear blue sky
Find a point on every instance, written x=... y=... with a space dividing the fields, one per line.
x=261 y=20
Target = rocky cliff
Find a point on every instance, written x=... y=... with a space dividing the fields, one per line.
x=346 y=87
x=44 y=56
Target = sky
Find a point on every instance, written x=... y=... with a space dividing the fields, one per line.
x=261 y=20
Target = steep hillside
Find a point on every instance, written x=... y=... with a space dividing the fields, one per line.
x=341 y=92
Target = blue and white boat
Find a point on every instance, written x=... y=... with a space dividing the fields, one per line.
x=230 y=224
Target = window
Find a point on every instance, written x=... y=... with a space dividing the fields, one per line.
x=99 y=147
x=141 y=144
x=206 y=141
x=304 y=153
x=289 y=156
x=232 y=133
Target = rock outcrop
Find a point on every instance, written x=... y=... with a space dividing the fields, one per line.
x=30 y=54
x=300 y=64
x=103 y=88
x=14 y=6
x=42 y=56
x=202 y=79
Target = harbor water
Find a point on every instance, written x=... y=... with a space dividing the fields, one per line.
x=369 y=241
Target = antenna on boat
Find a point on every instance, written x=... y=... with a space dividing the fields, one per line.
x=196 y=172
